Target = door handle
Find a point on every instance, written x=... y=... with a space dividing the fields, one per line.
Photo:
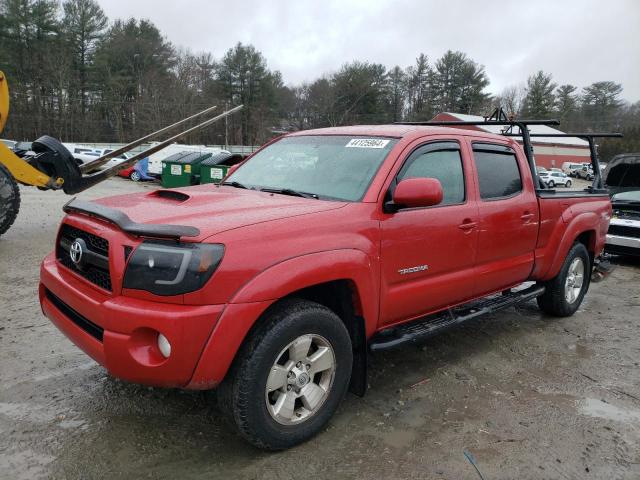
x=526 y=216
x=467 y=225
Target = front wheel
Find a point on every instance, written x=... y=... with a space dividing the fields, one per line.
x=564 y=293
x=551 y=183
x=135 y=176
x=289 y=376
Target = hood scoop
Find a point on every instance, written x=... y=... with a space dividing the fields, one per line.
x=173 y=195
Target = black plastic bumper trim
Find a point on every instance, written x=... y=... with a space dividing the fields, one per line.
x=84 y=323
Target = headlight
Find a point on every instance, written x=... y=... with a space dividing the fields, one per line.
x=170 y=268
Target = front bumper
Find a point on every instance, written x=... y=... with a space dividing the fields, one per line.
x=622 y=245
x=121 y=332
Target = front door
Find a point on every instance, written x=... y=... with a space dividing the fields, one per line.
x=428 y=254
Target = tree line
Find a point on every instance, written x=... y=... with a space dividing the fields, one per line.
x=79 y=77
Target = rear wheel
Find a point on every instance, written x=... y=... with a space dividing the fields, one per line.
x=135 y=176
x=9 y=199
x=564 y=293
x=289 y=377
x=568 y=184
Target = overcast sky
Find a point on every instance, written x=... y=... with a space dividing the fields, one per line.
x=578 y=41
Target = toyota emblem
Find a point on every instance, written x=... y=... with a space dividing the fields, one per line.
x=76 y=251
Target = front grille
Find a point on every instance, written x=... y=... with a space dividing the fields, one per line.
x=97 y=272
x=84 y=323
x=624 y=231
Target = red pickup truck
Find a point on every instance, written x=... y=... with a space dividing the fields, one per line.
x=322 y=247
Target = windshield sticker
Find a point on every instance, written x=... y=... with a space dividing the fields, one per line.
x=367 y=143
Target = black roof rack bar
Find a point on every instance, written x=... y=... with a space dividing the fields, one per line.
x=598 y=183
x=499 y=118
x=569 y=135
x=516 y=123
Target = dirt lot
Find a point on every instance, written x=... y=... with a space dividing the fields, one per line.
x=528 y=396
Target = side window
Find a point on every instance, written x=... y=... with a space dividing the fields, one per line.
x=441 y=161
x=498 y=172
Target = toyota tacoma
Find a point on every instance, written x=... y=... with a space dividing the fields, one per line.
x=322 y=248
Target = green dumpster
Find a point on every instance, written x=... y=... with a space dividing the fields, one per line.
x=215 y=168
x=182 y=169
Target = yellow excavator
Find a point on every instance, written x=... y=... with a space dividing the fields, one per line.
x=50 y=166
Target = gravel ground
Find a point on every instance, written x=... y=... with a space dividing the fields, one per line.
x=527 y=395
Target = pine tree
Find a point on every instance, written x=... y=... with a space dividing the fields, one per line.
x=540 y=99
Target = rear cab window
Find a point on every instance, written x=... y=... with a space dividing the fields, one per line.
x=499 y=174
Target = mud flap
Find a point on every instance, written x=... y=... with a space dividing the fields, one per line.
x=358 y=384
x=602 y=268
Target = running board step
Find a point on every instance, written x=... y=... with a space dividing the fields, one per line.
x=433 y=324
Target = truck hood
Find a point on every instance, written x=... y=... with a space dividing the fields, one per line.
x=213 y=209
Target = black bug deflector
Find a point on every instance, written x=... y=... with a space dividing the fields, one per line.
x=126 y=224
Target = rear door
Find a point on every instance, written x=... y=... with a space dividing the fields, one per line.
x=508 y=217
x=428 y=254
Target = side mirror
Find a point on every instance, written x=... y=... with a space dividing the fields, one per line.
x=417 y=192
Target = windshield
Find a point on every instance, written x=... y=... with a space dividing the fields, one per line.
x=328 y=167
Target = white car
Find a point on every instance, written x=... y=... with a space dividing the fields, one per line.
x=86 y=157
x=586 y=172
x=623 y=237
x=551 y=179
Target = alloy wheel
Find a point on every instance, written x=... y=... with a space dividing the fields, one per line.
x=574 y=281
x=300 y=379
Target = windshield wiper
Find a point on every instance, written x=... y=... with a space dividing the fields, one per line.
x=289 y=191
x=234 y=184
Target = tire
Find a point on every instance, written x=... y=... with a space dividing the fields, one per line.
x=252 y=405
x=551 y=183
x=9 y=199
x=135 y=176
x=556 y=299
x=568 y=184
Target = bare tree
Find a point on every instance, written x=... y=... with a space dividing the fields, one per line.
x=511 y=99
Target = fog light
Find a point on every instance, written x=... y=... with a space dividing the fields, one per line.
x=164 y=346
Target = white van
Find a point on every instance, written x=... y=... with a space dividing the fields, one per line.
x=570 y=168
x=75 y=148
